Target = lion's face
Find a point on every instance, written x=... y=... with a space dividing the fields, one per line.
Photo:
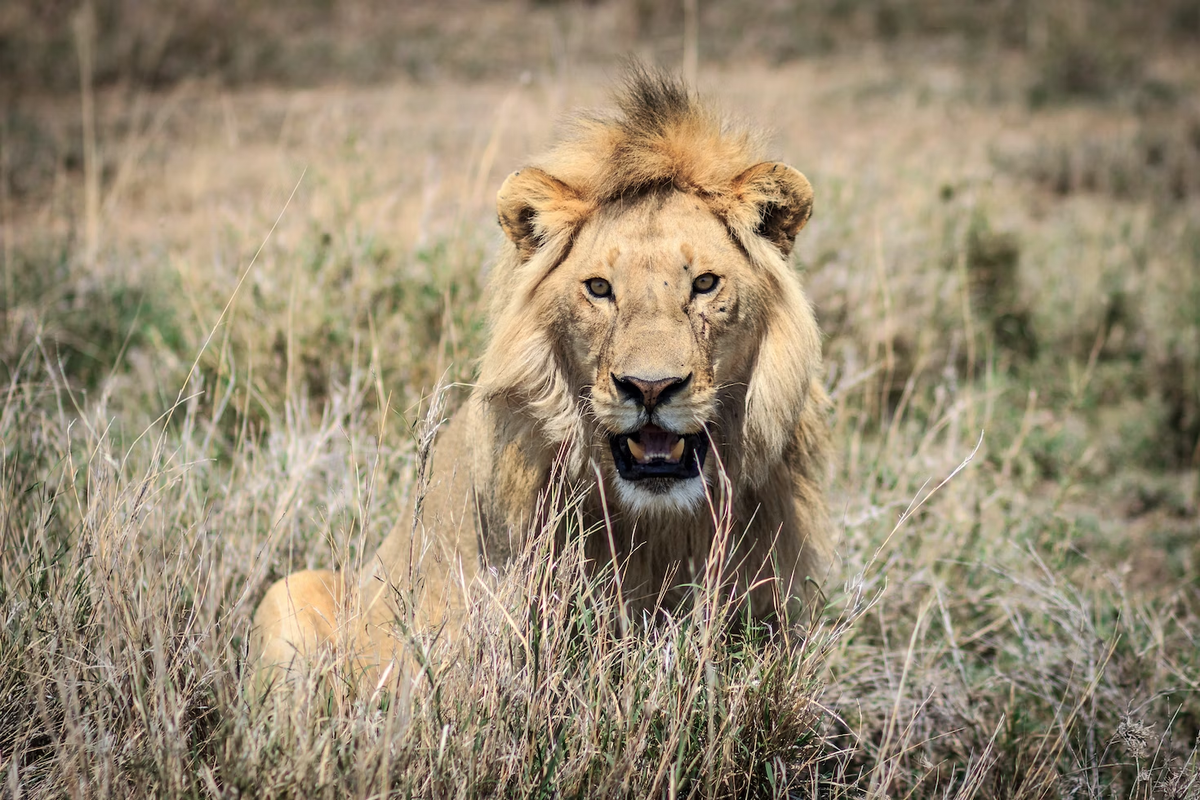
x=639 y=331
x=657 y=317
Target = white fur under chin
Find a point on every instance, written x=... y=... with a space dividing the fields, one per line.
x=684 y=495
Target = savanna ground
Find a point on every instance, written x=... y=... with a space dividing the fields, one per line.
x=242 y=245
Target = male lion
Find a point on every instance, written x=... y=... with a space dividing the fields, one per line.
x=647 y=334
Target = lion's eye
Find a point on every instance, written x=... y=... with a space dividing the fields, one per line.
x=598 y=287
x=705 y=283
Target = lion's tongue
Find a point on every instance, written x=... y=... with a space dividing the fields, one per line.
x=656 y=445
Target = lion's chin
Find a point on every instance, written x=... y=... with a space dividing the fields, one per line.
x=658 y=471
x=660 y=496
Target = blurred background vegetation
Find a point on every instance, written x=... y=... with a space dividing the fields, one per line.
x=1078 y=48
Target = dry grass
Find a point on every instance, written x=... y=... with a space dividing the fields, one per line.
x=226 y=392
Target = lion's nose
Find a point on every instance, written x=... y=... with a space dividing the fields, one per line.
x=649 y=393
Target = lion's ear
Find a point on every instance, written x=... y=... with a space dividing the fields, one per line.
x=533 y=206
x=773 y=201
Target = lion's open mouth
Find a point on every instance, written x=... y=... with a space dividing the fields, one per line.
x=654 y=453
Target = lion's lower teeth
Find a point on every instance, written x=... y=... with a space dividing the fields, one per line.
x=658 y=451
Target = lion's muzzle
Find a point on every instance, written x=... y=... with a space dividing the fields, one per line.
x=652 y=452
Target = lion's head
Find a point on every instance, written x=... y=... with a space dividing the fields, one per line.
x=647 y=319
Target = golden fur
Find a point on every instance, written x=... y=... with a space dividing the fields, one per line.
x=649 y=203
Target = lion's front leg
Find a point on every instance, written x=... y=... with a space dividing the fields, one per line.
x=296 y=621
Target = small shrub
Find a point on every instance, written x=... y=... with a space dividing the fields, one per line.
x=86 y=323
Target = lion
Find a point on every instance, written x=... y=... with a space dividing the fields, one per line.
x=650 y=343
